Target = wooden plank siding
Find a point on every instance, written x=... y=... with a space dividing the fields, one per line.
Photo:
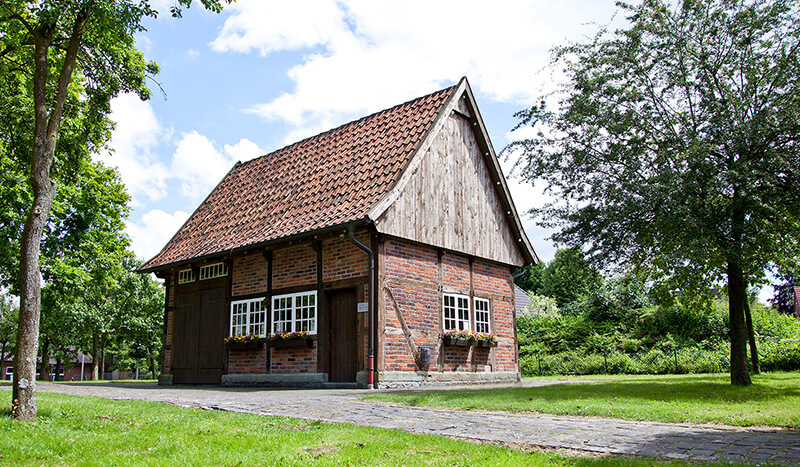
x=451 y=200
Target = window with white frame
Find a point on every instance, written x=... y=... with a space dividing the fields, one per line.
x=10 y=373
x=295 y=313
x=482 y=315
x=249 y=317
x=185 y=276
x=456 y=312
x=212 y=271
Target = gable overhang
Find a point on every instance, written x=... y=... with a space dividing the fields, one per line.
x=311 y=234
x=490 y=157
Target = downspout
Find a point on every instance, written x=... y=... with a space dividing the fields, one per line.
x=371 y=343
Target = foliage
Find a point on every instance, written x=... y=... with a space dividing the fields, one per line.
x=772 y=400
x=652 y=340
x=530 y=279
x=674 y=146
x=62 y=61
x=541 y=306
x=9 y=317
x=783 y=298
x=568 y=277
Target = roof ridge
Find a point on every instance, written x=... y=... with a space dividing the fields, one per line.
x=352 y=122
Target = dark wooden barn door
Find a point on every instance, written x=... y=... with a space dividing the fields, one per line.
x=184 y=339
x=199 y=329
x=344 y=331
x=213 y=329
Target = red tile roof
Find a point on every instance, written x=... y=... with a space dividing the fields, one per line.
x=330 y=179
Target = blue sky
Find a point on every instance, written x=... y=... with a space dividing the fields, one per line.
x=264 y=74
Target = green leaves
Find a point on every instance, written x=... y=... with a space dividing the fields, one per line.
x=674 y=144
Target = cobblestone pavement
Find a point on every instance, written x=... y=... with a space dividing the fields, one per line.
x=588 y=435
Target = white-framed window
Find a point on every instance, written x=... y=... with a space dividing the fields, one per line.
x=10 y=373
x=295 y=313
x=456 y=312
x=482 y=315
x=249 y=317
x=185 y=276
x=212 y=271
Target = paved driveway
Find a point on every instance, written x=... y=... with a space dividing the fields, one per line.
x=589 y=435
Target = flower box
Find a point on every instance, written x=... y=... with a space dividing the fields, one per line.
x=487 y=343
x=286 y=343
x=458 y=341
x=249 y=345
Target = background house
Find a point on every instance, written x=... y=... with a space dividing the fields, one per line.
x=59 y=371
x=379 y=239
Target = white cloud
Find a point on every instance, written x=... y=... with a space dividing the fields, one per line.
x=244 y=150
x=193 y=53
x=365 y=55
x=198 y=164
x=137 y=135
x=272 y=26
x=153 y=231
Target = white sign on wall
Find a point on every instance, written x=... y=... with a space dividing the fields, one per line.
x=363 y=307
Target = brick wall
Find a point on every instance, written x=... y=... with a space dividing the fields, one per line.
x=249 y=274
x=412 y=274
x=249 y=361
x=294 y=360
x=455 y=271
x=411 y=262
x=343 y=260
x=294 y=266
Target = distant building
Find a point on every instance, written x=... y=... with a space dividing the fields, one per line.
x=521 y=300
x=59 y=371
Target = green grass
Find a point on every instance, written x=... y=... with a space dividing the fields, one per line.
x=773 y=399
x=94 y=431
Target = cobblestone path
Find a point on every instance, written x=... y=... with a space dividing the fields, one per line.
x=590 y=435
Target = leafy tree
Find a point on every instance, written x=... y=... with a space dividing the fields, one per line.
x=675 y=146
x=568 y=277
x=783 y=296
x=68 y=58
x=530 y=278
x=9 y=317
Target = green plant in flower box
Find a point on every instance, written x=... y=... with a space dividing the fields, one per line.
x=242 y=339
x=289 y=336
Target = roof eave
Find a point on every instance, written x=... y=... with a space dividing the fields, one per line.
x=255 y=246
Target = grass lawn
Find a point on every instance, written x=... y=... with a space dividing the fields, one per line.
x=94 y=431
x=773 y=399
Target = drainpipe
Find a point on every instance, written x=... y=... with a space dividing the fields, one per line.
x=371 y=343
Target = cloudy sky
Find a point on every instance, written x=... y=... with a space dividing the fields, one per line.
x=264 y=74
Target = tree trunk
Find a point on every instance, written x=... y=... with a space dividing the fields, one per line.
x=755 y=366
x=47 y=122
x=45 y=374
x=95 y=354
x=103 y=361
x=737 y=296
x=58 y=369
x=3 y=353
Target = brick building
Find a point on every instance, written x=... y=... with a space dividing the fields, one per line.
x=380 y=244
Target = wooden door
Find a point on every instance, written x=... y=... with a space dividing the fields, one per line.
x=213 y=328
x=184 y=339
x=343 y=344
x=199 y=328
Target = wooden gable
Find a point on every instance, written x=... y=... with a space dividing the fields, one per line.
x=453 y=195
